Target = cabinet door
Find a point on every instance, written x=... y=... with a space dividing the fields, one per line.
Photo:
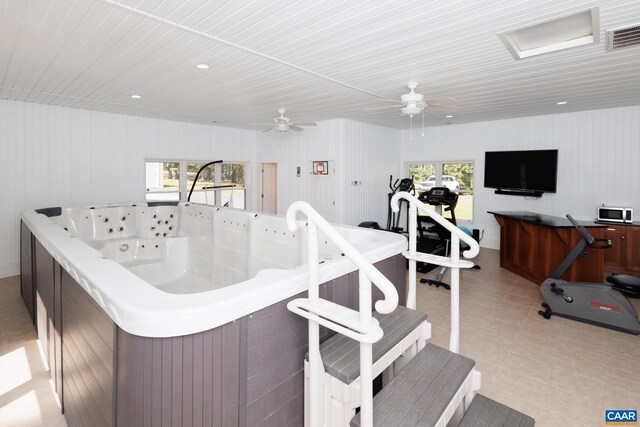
x=615 y=257
x=633 y=250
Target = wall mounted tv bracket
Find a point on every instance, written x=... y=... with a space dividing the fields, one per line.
x=524 y=193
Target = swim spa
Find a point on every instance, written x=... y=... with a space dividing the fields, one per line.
x=150 y=313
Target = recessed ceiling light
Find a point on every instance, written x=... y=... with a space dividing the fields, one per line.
x=561 y=102
x=136 y=96
x=449 y=117
x=202 y=66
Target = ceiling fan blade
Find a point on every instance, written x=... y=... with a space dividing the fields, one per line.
x=304 y=124
x=266 y=130
x=443 y=100
x=383 y=107
x=259 y=124
x=296 y=128
x=439 y=116
x=399 y=103
x=443 y=108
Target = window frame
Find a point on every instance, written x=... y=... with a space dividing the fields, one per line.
x=439 y=174
x=246 y=173
x=178 y=190
x=183 y=187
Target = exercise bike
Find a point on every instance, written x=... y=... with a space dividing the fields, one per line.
x=594 y=303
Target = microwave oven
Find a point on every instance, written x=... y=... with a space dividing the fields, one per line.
x=615 y=214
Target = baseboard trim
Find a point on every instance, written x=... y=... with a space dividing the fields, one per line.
x=9 y=269
x=490 y=243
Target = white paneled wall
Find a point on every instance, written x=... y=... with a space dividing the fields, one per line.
x=598 y=160
x=57 y=156
x=292 y=149
x=372 y=153
x=356 y=152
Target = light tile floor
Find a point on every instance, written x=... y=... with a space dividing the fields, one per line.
x=26 y=392
x=561 y=372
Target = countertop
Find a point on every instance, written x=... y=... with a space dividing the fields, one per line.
x=626 y=224
x=545 y=220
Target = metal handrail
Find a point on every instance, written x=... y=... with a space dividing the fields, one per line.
x=454 y=260
x=474 y=247
x=390 y=301
x=198 y=175
x=314 y=307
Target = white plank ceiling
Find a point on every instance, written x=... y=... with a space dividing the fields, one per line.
x=316 y=58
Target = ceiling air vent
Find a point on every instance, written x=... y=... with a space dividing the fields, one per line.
x=623 y=37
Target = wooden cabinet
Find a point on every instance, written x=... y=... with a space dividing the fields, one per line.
x=615 y=258
x=633 y=250
x=535 y=250
x=624 y=255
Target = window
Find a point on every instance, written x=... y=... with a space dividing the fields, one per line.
x=461 y=180
x=204 y=191
x=232 y=181
x=221 y=184
x=456 y=176
x=162 y=181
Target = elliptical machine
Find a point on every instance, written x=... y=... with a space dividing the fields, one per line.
x=594 y=303
x=393 y=218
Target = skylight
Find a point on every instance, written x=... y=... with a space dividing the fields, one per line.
x=573 y=30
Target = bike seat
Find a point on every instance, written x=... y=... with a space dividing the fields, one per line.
x=625 y=284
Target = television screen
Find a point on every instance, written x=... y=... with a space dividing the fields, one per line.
x=533 y=170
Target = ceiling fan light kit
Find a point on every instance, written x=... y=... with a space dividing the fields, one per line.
x=411 y=109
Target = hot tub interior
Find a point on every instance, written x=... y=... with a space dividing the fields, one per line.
x=191 y=248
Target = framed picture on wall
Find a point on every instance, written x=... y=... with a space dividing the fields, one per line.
x=321 y=168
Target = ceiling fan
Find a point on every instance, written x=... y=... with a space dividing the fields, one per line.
x=283 y=124
x=413 y=103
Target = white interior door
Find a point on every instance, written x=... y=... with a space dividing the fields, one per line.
x=269 y=191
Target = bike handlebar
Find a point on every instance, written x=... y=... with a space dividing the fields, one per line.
x=583 y=231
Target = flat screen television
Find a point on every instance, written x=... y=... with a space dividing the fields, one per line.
x=521 y=172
